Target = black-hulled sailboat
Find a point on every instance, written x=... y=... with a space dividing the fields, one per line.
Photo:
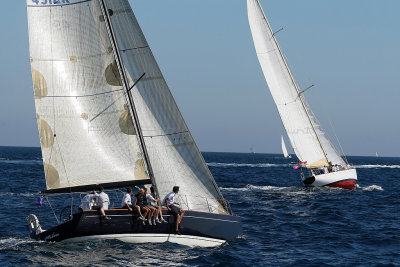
x=106 y=117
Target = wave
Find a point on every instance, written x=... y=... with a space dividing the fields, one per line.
x=370 y=188
x=268 y=165
x=12 y=242
x=371 y=166
x=270 y=189
x=23 y=162
x=250 y=165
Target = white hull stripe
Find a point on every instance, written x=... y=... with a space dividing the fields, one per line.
x=187 y=240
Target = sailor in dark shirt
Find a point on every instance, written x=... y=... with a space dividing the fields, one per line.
x=141 y=205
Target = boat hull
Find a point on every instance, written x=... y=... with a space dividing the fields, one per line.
x=199 y=229
x=346 y=179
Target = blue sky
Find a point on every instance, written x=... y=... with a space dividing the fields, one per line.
x=349 y=49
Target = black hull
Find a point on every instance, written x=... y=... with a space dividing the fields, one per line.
x=197 y=224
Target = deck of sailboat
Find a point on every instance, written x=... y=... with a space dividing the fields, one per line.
x=199 y=228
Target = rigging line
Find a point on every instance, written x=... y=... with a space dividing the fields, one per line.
x=337 y=140
x=79 y=96
x=137 y=81
x=101 y=112
x=51 y=207
x=161 y=135
x=134 y=48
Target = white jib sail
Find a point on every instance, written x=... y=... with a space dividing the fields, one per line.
x=174 y=156
x=86 y=133
x=307 y=137
x=284 y=150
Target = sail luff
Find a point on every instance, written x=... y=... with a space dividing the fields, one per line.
x=124 y=79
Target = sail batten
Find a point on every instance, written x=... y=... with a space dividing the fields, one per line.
x=306 y=135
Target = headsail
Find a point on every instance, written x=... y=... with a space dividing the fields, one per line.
x=174 y=156
x=307 y=137
x=86 y=133
x=284 y=150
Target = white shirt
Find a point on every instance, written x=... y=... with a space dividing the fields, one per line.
x=88 y=201
x=326 y=170
x=150 y=199
x=103 y=200
x=126 y=200
x=85 y=204
x=170 y=197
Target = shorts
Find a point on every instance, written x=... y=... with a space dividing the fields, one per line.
x=175 y=210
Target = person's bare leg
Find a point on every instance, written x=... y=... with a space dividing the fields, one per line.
x=138 y=210
x=102 y=212
x=176 y=223
x=159 y=212
x=155 y=213
x=180 y=216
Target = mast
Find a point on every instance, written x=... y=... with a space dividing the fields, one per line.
x=125 y=82
x=294 y=82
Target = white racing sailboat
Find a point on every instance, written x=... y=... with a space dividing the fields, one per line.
x=284 y=150
x=106 y=117
x=324 y=165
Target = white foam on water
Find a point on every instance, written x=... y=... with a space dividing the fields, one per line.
x=268 y=189
x=370 y=188
x=24 y=162
x=256 y=165
x=11 y=242
x=377 y=166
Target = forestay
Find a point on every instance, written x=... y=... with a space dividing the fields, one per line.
x=86 y=133
x=174 y=156
x=307 y=137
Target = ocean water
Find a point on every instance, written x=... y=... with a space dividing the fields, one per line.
x=284 y=223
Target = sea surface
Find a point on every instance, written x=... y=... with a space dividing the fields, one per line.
x=284 y=223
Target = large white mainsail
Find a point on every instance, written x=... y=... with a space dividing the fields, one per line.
x=86 y=133
x=307 y=137
x=85 y=124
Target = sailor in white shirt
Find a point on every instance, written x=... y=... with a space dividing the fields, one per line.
x=102 y=203
x=173 y=207
x=152 y=203
x=127 y=203
x=87 y=201
x=127 y=200
x=104 y=200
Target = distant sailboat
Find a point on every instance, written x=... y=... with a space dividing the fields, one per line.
x=325 y=166
x=284 y=150
x=376 y=154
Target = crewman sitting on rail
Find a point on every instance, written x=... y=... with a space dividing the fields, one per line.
x=102 y=203
x=141 y=205
x=127 y=203
x=152 y=203
x=173 y=207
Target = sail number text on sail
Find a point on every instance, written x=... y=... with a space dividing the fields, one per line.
x=51 y=2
